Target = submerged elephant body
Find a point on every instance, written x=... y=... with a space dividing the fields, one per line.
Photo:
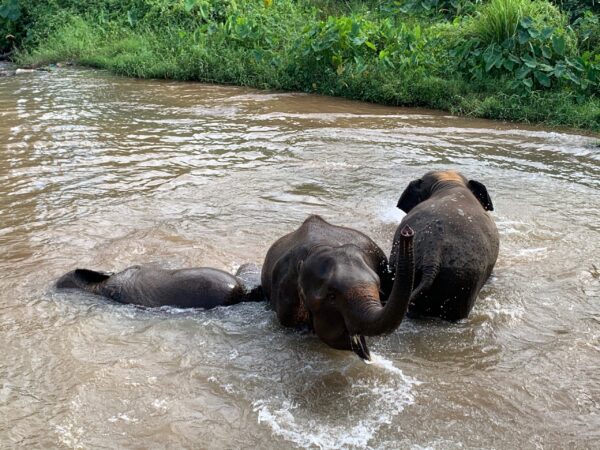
x=329 y=278
x=202 y=287
x=456 y=243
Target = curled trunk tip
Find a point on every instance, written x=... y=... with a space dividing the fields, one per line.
x=407 y=232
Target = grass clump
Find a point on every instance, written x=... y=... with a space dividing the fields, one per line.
x=499 y=20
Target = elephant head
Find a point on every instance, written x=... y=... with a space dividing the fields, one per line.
x=421 y=189
x=341 y=292
x=84 y=279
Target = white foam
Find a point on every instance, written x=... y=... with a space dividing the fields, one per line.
x=385 y=398
x=387 y=365
x=122 y=417
x=533 y=254
x=160 y=404
x=529 y=251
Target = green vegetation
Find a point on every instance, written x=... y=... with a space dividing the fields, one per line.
x=522 y=60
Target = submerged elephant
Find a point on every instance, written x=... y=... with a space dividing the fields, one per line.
x=330 y=278
x=201 y=287
x=456 y=244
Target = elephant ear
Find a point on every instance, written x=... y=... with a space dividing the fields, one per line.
x=412 y=196
x=480 y=192
x=91 y=276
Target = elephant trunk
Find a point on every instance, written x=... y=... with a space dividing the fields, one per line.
x=370 y=318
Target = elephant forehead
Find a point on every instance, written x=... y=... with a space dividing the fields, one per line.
x=449 y=175
x=329 y=261
x=319 y=266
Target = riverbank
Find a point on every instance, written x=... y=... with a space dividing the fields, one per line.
x=515 y=60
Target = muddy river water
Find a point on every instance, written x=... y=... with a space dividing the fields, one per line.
x=105 y=172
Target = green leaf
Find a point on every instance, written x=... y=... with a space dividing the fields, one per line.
x=529 y=61
x=188 y=5
x=204 y=11
x=546 y=33
x=258 y=55
x=533 y=32
x=528 y=82
x=571 y=76
x=10 y=10
x=498 y=60
x=575 y=64
x=546 y=52
x=370 y=45
x=132 y=17
x=358 y=41
x=559 y=70
x=523 y=37
x=558 y=44
x=542 y=78
x=508 y=64
x=417 y=32
x=514 y=58
x=526 y=22
x=522 y=72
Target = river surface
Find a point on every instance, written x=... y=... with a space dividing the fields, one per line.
x=104 y=172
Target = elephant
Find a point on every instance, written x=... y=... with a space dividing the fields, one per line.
x=331 y=280
x=149 y=286
x=456 y=244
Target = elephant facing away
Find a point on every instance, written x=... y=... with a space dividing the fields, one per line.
x=149 y=286
x=331 y=279
x=456 y=243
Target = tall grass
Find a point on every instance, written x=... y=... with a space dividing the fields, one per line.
x=499 y=20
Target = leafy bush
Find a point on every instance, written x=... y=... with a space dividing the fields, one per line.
x=448 y=8
x=527 y=42
x=577 y=8
x=337 y=41
x=587 y=28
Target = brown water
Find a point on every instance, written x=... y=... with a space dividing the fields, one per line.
x=105 y=172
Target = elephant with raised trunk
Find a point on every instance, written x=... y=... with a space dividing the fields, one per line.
x=456 y=244
x=332 y=280
x=201 y=287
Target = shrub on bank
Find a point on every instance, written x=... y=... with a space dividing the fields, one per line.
x=505 y=59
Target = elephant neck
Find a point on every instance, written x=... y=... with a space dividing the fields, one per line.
x=446 y=186
x=256 y=295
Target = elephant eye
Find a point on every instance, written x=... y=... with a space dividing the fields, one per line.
x=330 y=297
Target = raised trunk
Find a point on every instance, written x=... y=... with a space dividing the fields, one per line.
x=374 y=319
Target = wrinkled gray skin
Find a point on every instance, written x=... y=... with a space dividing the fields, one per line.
x=456 y=243
x=202 y=287
x=329 y=279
